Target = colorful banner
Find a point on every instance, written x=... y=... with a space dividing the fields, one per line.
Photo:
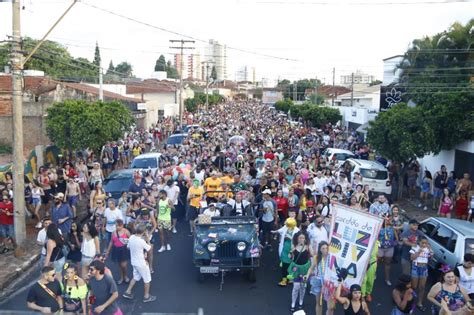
x=352 y=238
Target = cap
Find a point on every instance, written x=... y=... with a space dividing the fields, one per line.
x=212 y=204
x=414 y=221
x=59 y=196
x=355 y=287
x=267 y=192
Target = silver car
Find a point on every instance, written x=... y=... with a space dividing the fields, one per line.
x=450 y=239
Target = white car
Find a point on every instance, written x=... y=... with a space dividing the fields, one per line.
x=373 y=174
x=151 y=160
x=338 y=155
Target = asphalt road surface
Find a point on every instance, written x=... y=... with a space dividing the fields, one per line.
x=178 y=291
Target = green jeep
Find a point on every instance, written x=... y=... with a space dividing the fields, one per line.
x=226 y=244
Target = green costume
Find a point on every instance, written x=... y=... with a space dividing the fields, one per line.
x=369 y=278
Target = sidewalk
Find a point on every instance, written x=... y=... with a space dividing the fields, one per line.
x=12 y=268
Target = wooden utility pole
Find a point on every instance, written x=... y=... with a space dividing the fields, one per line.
x=181 y=49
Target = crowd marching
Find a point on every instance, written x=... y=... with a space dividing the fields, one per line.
x=241 y=154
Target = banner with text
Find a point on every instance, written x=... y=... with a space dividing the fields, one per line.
x=353 y=235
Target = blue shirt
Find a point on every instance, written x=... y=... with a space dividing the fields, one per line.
x=60 y=213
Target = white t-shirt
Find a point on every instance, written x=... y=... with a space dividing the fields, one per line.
x=208 y=212
x=424 y=255
x=111 y=217
x=317 y=235
x=200 y=175
x=137 y=246
x=172 y=193
x=41 y=239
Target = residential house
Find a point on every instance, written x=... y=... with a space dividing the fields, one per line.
x=40 y=92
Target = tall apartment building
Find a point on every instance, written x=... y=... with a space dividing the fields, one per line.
x=359 y=78
x=191 y=66
x=245 y=73
x=218 y=53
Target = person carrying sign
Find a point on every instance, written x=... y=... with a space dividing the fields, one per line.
x=353 y=303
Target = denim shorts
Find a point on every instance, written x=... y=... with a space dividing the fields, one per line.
x=36 y=201
x=419 y=271
x=7 y=231
x=316 y=285
x=59 y=264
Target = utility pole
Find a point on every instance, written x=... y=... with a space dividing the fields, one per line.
x=18 y=168
x=207 y=81
x=101 y=84
x=295 y=91
x=333 y=84
x=316 y=90
x=17 y=128
x=352 y=89
x=181 y=48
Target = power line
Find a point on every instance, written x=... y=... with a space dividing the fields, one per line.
x=183 y=35
x=361 y=3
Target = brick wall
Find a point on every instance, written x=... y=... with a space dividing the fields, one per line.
x=34 y=132
x=5 y=105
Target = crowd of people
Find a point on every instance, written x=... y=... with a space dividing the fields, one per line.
x=256 y=162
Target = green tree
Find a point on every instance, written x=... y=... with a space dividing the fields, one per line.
x=54 y=59
x=401 y=134
x=97 y=58
x=111 y=68
x=160 y=64
x=284 y=105
x=317 y=99
x=125 y=69
x=77 y=124
x=214 y=73
x=376 y=82
x=191 y=104
x=436 y=73
x=171 y=71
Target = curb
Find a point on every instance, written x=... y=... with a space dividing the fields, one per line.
x=17 y=273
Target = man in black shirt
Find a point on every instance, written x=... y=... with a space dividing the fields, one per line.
x=45 y=295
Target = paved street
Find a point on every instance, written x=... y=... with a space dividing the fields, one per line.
x=178 y=291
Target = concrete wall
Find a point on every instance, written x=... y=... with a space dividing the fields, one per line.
x=433 y=162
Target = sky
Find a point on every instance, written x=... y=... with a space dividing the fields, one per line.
x=287 y=39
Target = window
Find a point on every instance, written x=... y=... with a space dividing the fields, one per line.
x=373 y=174
x=442 y=237
x=428 y=227
x=469 y=246
x=144 y=163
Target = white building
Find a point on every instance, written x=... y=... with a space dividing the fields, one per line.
x=245 y=73
x=359 y=78
x=359 y=107
x=218 y=53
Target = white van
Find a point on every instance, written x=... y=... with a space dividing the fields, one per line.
x=373 y=174
x=338 y=155
x=145 y=161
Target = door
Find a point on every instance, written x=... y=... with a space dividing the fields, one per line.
x=446 y=240
x=463 y=163
x=428 y=228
